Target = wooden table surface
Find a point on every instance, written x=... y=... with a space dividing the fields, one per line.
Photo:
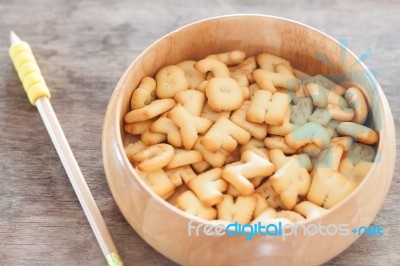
x=83 y=48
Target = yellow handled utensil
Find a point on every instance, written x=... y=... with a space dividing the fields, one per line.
x=39 y=95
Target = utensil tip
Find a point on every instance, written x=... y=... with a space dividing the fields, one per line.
x=14 y=38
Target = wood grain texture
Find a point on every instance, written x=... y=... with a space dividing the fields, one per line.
x=83 y=47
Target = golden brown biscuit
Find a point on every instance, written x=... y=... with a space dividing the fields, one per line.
x=292 y=180
x=184 y=173
x=251 y=165
x=209 y=186
x=215 y=66
x=134 y=148
x=191 y=100
x=230 y=58
x=183 y=157
x=201 y=167
x=190 y=126
x=322 y=96
x=216 y=159
x=267 y=191
x=358 y=132
x=151 y=138
x=278 y=142
x=355 y=98
x=154 y=157
x=240 y=211
x=188 y=202
x=212 y=115
x=223 y=94
x=309 y=209
x=224 y=134
x=149 y=111
x=170 y=80
x=193 y=76
x=144 y=94
x=159 y=182
x=308 y=133
x=138 y=127
x=258 y=131
x=285 y=128
x=166 y=126
x=329 y=187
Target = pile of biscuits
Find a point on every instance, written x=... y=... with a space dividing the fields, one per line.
x=248 y=139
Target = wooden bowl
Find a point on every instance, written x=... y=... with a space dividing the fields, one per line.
x=165 y=227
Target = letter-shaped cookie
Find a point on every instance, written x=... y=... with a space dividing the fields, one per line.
x=154 y=157
x=355 y=172
x=209 y=186
x=183 y=157
x=322 y=96
x=215 y=66
x=258 y=131
x=216 y=159
x=278 y=142
x=188 y=202
x=251 y=165
x=308 y=133
x=244 y=68
x=151 y=138
x=192 y=75
x=184 y=173
x=358 y=132
x=149 y=111
x=144 y=94
x=225 y=134
x=329 y=187
x=255 y=145
x=224 y=94
x=170 y=80
x=285 y=128
x=191 y=100
x=190 y=126
x=138 y=127
x=268 y=192
x=240 y=211
x=166 y=126
x=301 y=110
x=212 y=115
x=269 y=61
x=290 y=215
x=230 y=58
x=159 y=182
x=309 y=209
x=133 y=148
x=292 y=180
x=355 y=98
x=361 y=152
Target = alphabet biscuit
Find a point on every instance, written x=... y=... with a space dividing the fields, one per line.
x=224 y=134
x=193 y=76
x=224 y=94
x=190 y=126
x=188 y=202
x=251 y=165
x=154 y=157
x=149 y=111
x=144 y=94
x=170 y=80
x=240 y=211
x=258 y=131
x=209 y=186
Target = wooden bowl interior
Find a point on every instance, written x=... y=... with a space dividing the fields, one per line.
x=309 y=51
